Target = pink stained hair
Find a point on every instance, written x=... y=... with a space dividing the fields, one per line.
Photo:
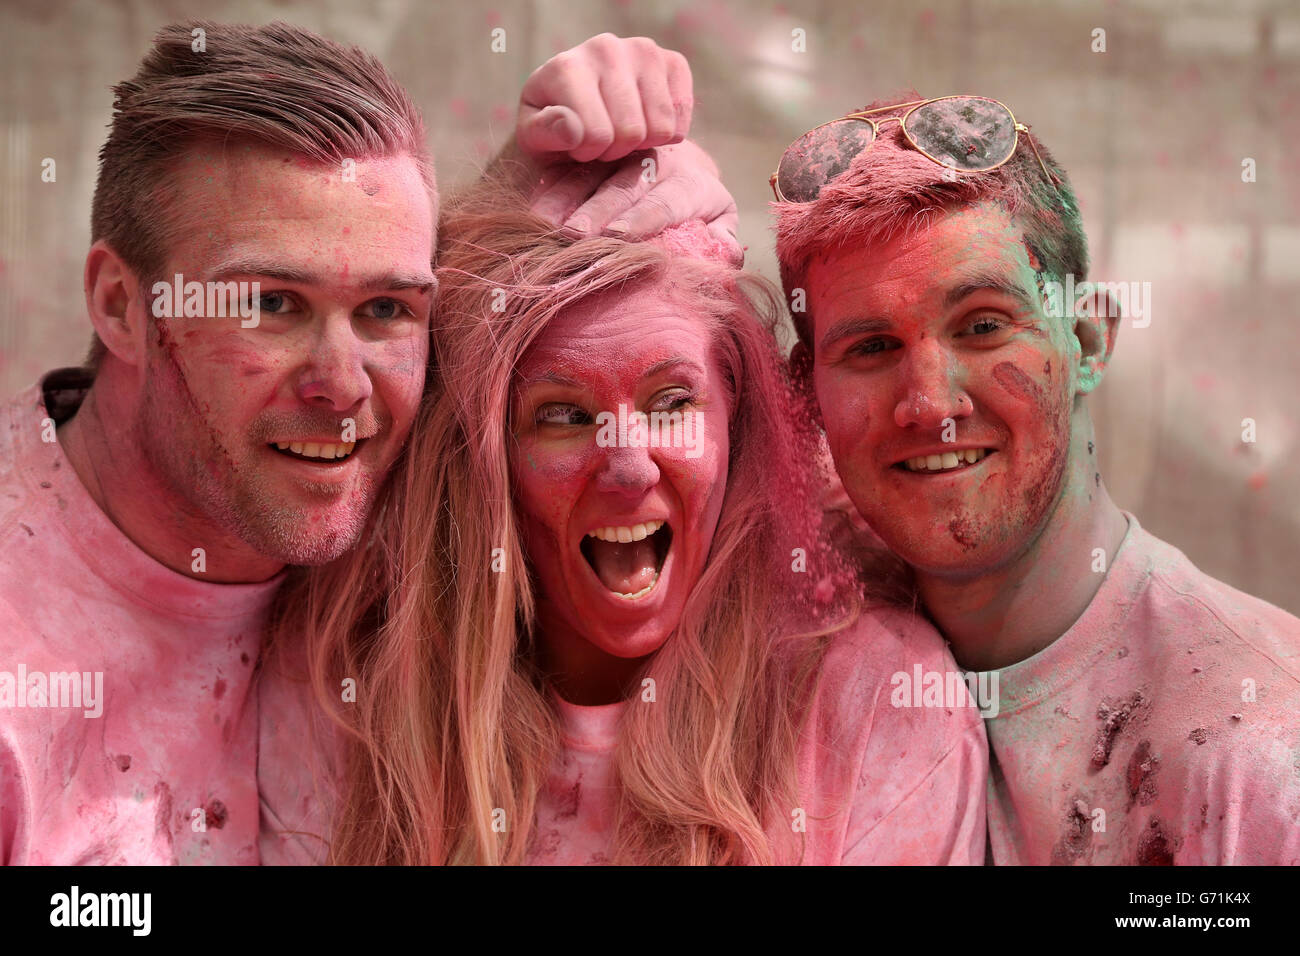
x=452 y=729
x=891 y=189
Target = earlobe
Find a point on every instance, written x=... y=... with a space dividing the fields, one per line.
x=116 y=303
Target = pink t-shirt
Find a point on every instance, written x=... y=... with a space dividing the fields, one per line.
x=879 y=783
x=151 y=671
x=1163 y=727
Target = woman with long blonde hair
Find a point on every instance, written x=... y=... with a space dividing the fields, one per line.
x=596 y=621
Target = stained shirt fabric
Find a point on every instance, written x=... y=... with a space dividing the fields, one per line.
x=165 y=772
x=877 y=783
x=1162 y=728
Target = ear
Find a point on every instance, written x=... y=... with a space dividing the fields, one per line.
x=117 y=305
x=1096 y=326
x=801 y=373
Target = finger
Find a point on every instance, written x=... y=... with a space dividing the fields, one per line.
x=613 y=197
x=681 y=91
x=674 y=200
x=557 y=201
x=622 y=100
x=657 y=108
x=729 y=241
x=568 y=82
x=555 y=129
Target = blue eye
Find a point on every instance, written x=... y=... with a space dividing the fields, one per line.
x=385 y=309
x=273 y=302
x=561 y=413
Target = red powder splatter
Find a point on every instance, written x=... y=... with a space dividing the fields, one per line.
x=123 y=762
x=1114 y=718
x=1258 y=480
x=1077 y=835
x=1014 y=380
x=964 y=532
x=1154 y=848
x=219 y=689
x=215 y=814
x=162 y=815
x=1142 y=767
x=569 y=802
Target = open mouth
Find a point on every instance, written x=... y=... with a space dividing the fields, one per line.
x=948 y=461
x=627 y=559
x=322 y=453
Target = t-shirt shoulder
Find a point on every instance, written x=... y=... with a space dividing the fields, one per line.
x=921 y=763
x=1209 y=609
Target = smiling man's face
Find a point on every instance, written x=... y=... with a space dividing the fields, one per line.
x=250 y=426
x=935 y=336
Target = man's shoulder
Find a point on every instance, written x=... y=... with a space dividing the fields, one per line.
x=1193 y=609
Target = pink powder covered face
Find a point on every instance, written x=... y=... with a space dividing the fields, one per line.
x=345 y=296
x=638 y=350
x=942 y=335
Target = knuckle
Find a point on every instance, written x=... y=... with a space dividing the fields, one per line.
x=631 y=133
x=600 y=136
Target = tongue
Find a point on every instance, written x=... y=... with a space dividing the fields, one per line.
x=625 y=568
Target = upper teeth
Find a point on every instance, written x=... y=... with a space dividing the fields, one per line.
x=949 y=459
x=624 y=535
x=313 y=449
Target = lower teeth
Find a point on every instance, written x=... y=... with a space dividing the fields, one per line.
x=642 y=593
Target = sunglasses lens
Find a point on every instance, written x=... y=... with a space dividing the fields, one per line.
x=963 y=132
x=819 y=156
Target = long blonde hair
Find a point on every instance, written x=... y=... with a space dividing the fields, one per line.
x=452 y=733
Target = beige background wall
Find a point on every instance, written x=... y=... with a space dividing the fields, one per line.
x=1154 y=131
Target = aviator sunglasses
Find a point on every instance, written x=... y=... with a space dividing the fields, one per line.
x=972 y=134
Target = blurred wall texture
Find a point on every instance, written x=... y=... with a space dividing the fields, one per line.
x=1156 y=131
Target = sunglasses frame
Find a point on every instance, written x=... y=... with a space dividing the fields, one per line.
x=865 y=116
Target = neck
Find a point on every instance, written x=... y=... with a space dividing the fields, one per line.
x=1007 y=615
x=579 y=671
x=104 y=451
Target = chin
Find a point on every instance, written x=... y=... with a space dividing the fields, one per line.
x=641 y=643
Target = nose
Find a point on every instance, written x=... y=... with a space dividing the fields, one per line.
x=334 y=376
x=628 y=472
x=933 y=389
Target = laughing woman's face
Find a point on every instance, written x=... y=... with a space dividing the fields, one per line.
x=619 y=469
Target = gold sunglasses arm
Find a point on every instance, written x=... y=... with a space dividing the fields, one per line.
x=1022 y=128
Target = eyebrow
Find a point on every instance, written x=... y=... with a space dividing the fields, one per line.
x=988 y=282
x=852 y=326
x=981 y=282
x=552 y=377
x=269 y=269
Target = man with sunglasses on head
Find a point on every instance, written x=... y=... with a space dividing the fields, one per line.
x=1147 y=713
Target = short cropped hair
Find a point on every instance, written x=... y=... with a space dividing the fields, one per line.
x=276 y=85
x=891 y=189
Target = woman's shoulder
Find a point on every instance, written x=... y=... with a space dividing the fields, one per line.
x=884 y=640
x=876 y=686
